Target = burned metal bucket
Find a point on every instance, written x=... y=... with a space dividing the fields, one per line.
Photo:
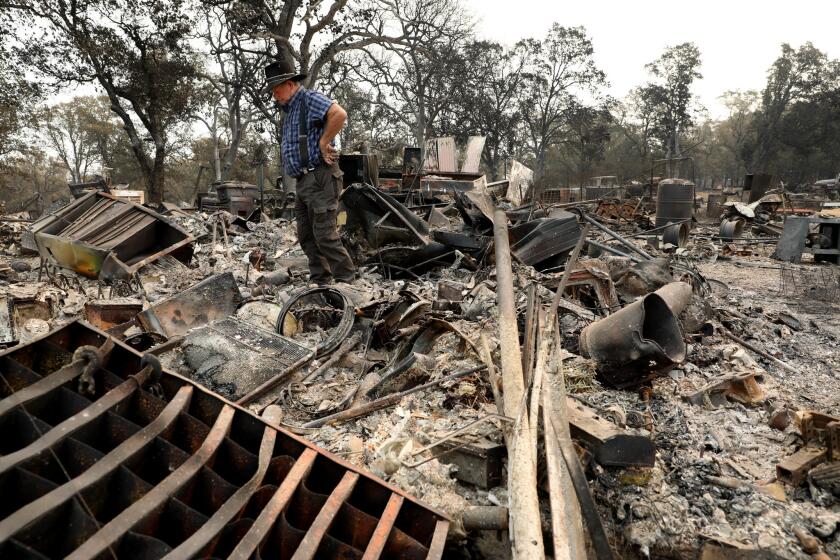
x=677 y=296
x=642 y=339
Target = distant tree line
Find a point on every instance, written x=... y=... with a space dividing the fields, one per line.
x=179 y=89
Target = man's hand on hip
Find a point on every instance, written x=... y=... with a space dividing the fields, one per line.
x=328 y=153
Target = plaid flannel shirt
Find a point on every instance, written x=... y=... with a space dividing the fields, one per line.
x=318 y=104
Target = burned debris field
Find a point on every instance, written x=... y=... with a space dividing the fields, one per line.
x=697 y=378
x=419 y=279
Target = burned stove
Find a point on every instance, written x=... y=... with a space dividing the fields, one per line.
x=105 y=456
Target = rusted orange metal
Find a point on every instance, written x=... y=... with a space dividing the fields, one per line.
x=151 y=465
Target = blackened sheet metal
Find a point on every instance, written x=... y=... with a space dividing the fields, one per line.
x=462 y=241
x=185 y=474
x=383 y=219
x=101 y=236
x=401 y=260
x=610 y=445
x=210 y=300
x=535 y=242
x=791 y=244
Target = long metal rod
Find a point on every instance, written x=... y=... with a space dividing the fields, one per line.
x=613 y=250
x=760 y=352
x=567 y=274
x=567 y=527
x=529 y=338
x=386 y=401
x=615 y=236
x=511 y=355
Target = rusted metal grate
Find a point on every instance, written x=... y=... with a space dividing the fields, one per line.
x=109 y=462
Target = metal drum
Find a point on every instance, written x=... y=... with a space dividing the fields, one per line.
x=674 y=201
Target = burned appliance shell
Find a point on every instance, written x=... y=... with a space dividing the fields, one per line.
x=101 y=236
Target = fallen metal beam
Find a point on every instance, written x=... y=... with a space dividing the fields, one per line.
x=616 y=236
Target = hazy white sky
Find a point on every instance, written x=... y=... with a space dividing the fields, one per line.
x=738 y=39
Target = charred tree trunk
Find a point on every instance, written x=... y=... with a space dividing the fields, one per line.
x=155 y=179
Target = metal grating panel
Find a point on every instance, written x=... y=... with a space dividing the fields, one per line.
x=120 y=466
x=282 y=349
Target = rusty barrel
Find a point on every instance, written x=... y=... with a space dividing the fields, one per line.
x=674 y=201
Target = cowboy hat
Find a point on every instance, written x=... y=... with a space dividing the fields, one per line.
x=281 y=70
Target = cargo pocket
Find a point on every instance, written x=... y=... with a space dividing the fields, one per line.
x=327 y=185
x=324 y=222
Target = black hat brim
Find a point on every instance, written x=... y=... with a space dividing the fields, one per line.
x=275 y=81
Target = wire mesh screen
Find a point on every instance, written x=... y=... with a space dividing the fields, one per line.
x=808 y=285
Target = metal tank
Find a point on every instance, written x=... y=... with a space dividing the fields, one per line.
x=674 y=201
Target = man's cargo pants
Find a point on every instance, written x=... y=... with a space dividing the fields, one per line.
x=316 y=210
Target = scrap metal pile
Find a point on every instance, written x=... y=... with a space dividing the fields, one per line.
x=540 y=378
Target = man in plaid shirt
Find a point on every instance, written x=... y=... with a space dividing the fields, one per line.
x=311 y=122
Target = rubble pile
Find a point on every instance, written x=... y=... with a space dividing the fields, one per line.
x=678 y=377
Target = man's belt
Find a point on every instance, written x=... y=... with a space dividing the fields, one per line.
x=304 y=172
